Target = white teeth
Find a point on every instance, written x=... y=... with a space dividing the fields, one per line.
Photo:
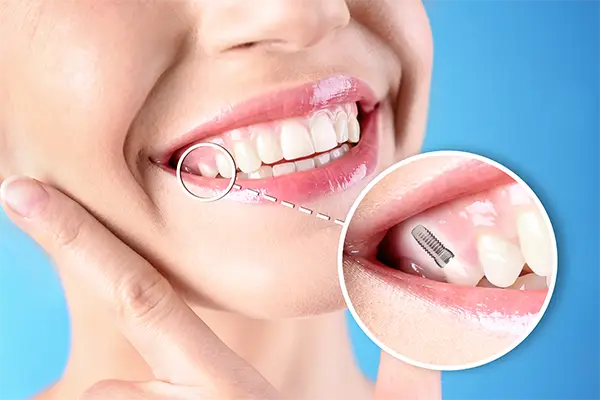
x=267 y=146
x=322 y=159
x=207 y=170
x=245 y=156
x=501 y=260
x=223 y=166
x=341 y=127
x=284 y=169
x=458 y=273
x=263 y=172
x=322 y=133
x=295 y=141
x=529 y=282
x=304 y=165
x=340 y=151
x=535 y=242
x=353 y=129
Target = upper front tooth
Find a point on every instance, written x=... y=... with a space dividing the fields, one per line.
x=295 y=141
x=458 y=273
x=223 y=166
x=267 y=147
x=353 y=129
x=501 y=260
x=322 y=133
x=535 y=242
x=245 y=156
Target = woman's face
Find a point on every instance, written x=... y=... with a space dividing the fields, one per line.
x=97 y=94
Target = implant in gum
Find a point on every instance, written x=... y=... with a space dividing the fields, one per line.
x=454 y=269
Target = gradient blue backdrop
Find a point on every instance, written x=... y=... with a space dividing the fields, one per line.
x=515 y=81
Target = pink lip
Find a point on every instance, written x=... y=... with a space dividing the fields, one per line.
x=461 y=178
x=336 y=176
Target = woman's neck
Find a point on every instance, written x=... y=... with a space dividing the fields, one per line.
x=304 y=358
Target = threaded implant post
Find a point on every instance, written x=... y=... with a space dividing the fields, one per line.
x=436 y=250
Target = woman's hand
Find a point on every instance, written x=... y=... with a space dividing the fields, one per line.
x=187 y=359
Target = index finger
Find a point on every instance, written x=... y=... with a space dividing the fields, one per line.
x=176 y=344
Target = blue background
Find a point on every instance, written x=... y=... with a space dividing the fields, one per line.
x=515 y=81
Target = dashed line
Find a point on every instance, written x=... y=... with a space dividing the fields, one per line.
x=305 y=210
x=323 y=216
x=286 y=204
x=289 y=205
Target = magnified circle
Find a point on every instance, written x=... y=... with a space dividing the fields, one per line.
x=448 y=260
x=229 y=159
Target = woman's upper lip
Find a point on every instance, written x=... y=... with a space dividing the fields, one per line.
x=459 y=177
x=287 y=103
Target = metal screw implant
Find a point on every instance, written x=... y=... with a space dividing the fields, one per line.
x=436 y=250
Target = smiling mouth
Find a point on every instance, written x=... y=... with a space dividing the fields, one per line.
x=298 y=144
x=491 y=252
x=281 y=147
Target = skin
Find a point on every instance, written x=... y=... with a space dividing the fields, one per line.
x=110 y=81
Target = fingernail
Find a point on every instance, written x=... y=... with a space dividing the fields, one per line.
x=24 y=196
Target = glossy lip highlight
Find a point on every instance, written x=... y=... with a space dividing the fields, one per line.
x=336 y=176
x=516 y=309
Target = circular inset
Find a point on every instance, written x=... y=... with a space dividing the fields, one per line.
x=447 y=260
x=228 y=159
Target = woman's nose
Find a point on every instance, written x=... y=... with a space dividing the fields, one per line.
x=282 y=25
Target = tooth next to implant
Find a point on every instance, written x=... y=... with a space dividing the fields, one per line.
x=534 y=239
x=501 y=260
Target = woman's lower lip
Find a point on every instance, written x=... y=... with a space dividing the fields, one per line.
x=496 y=309
x=306 y=186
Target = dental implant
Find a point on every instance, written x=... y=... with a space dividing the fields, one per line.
x=428 y=242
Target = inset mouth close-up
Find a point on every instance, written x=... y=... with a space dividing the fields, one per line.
x=457 y=235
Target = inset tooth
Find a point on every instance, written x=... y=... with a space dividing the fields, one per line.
x=353 y=129
x=304 y=165
x=322 y=159
x=241 y=175
x=458 y=273
x=263 y=172
x=530 y=282
x=345 y=148
x=207 y=170
x=223 y=166
x=322 y=133
x=341 y=127
x=245 y=157
x=535 y=242
x=284 y=169
x=501 y=260
x=295 y=141
x=267 y=146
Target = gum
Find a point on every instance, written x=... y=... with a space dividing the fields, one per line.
x=457 y=224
